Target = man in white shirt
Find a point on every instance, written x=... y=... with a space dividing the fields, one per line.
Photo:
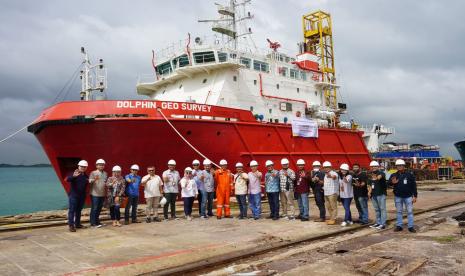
x=331 y=191
x=97 y=180
x=171 y=179
x=153 y=189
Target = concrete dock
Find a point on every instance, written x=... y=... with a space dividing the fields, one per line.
x=150 y=248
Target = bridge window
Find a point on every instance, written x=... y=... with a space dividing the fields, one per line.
x=294 y=74
x=164 y=68
x=261 y=66
x=246 y=62
x=283 y=71
x=303 y=75
x=222 y=57
x=204 y=57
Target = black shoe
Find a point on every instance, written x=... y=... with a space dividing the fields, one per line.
x=398 y=229
x=126 y=222
x=148 y=220
x=80 y=226
x=275 y=218
x=304 y=219
x=228 y=217
x=363 y=223
x=72 y=229
x=240 y=217
x=157 y=219
x=412 y=230
x=257 y=218
x=136 y=221
x=299 y=217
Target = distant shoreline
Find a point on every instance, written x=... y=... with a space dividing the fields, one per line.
x=25 y=166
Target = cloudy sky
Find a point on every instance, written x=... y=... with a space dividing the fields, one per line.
x=400 y=63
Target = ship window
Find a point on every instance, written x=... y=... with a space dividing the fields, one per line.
x=251 y=108
x=234 y=78
x=182 y=60
x=204 y=81
x=180 y=86
x=298 y=89
x=260 y=66
x=246 y=62
x=294 y=74
x=204 y=57
x=222 y=57
x=271 y=120
x=316 y=93
x=283 y=71
x=276 y=120
x=164 y=68
x=303 y=75
x=270 y=110
x=255 y=82
x=277 y=86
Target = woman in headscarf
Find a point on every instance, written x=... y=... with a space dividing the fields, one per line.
x=188 y=192
x=115 y=191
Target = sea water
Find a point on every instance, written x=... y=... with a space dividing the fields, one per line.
x=25 y=190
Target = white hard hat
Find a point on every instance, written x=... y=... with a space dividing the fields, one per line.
x=188 y=169
x=100 y=161
x=400 y=162
x=316 y=163
x=239 y=164
x=83 y=163
x=196 y=162
x=172 y=162
x=135 y=167
x=207 y=162
x=284 y=161
x=344 y=167
x=300 y=162
x=253 y=163
x=327 y=164
x=116 y=169
x=163 y=201
x=374 y=164
x=269 y=163
x=223 y=162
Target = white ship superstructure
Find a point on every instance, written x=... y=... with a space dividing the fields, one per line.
x=275 y=86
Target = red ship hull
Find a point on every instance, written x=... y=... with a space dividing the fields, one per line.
x=134 y=132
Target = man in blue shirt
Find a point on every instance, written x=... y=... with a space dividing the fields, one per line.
x=405 y=192
x=78 y=182
x=272 y=187
x=132 y=192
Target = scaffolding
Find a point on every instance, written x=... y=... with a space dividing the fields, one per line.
x=318 y=39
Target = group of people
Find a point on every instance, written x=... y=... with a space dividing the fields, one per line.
x=283 y=187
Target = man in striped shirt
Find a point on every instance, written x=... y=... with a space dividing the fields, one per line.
x=286 y=179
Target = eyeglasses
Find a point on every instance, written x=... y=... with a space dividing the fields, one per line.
x=189 y=172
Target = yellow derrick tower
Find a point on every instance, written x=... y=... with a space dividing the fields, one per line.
x=318 y=39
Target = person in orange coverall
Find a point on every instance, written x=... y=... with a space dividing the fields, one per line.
x=223 y=180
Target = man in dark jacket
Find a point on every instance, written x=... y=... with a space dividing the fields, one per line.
x=377 y=191
x=317 y=188
x=405 y=192
x=78 y=182
x=302 y=189
x=360 y=193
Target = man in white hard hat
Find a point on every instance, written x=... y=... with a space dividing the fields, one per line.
x=377 y=191
x=78 y=182
x=132 y=192
x=153 y=189
x=317 y=187
x=346 y=193
x=272 y=186
x=240 y=189
x=360 y=182
x=197 y=173
x=331 y=190
x=255 y=190
x=302 y=189
x=405 y=193
x=286 y=179
x=224 y=181
x=97 y=180
x=171 y=179
x=209 y=184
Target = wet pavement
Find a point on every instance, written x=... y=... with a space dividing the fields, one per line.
x=157 y=247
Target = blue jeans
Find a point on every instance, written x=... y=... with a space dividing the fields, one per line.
x=379 y=204
x=202 y=198
x=96 y=208
x=242 y=201
x=74 y=211
x=362 y=207
x=210 y=198
x=408 y=202
x=115 y=212
x=346 y=203
x=132 y=204
x=255 y=204
x=302 y=200
x=273 y=200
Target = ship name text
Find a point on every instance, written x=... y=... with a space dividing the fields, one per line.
x=164 y=105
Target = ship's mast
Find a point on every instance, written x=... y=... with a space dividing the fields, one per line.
x=93 y=77
x=230 y=22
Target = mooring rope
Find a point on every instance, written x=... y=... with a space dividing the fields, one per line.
x=184 y=139
x=16 y=132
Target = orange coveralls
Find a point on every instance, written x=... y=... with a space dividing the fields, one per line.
x=223 y=180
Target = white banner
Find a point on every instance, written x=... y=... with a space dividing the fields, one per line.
x=304 y=127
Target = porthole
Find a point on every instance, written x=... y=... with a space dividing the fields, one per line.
x=298 y=89
x=218 y=133
x=277 y=86
x=189 y=132
x=234 y=78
